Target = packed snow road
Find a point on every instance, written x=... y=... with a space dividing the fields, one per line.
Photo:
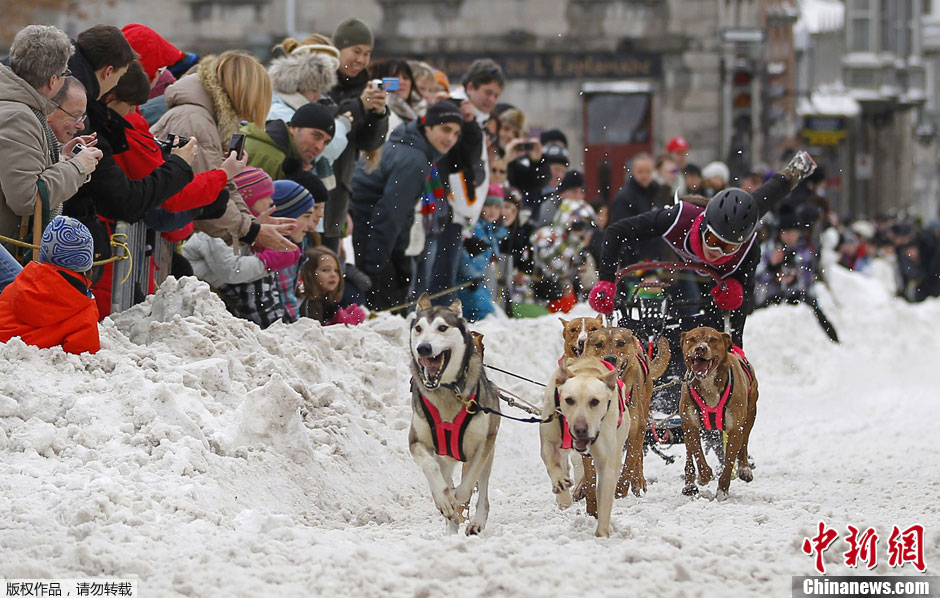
x=208 y=458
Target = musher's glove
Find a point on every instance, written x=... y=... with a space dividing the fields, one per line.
x=601 y=298
x=800 y=167
x=728 y=294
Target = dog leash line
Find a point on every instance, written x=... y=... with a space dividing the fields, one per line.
x=486 y=365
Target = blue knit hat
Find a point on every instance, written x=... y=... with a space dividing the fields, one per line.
x=67 y=243
x=291 y=199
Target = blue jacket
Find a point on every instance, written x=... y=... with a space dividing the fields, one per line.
x=383 y=201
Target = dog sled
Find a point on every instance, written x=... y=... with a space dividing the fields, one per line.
x=662 y=299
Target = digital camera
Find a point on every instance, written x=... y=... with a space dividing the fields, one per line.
x=386 y=83
x=172 y=141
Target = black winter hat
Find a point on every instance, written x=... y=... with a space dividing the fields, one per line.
x=314 y=116
x=553 y=136
x=555 y=154
x=443 y=111
x=573 y=179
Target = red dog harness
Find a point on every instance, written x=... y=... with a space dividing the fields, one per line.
x=448 y=436
x=622 y=402
x=713 y=418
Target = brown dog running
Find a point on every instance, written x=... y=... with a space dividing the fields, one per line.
x=720 y=392
x=576 y=333
x=621 y=349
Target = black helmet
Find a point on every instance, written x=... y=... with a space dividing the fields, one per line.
x=732 y=215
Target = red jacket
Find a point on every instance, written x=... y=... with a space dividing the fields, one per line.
x=144 y=156
x=45 y=309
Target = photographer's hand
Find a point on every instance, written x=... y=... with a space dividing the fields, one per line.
x=87 y=159
x=86 y=140
x=187 y=152
x=374 y=99
x=232 y=165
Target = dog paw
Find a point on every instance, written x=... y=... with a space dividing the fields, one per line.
x=705 y=476
x=446 y=503
x=563 y=500
x=745 y=474
x=474 y=528
x=690 y=490
x=721 y=495
x=561 y=485
x=602 y=532
x=579 y=492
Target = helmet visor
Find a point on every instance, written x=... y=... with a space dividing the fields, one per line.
x=713 y=242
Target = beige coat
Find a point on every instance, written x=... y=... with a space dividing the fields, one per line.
x=200 y=108
x=24 y=155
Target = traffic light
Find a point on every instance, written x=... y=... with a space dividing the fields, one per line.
x=742 y=109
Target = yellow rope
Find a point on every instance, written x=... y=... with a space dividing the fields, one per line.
x=115 y=242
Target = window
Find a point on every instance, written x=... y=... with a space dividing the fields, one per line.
x=860 y=32
x=618 y=118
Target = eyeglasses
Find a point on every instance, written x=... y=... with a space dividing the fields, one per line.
x=498 y=170
x=715 y=243
x=78 y=119
x=67 y=73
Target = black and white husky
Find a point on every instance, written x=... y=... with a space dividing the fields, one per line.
x=448 y=389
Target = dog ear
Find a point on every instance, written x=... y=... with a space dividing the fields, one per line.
x=611 y=377
x=562 y=375
x=477 y=341
x=564 y=322
x=728 y=342
x=456 y=307
x=682 y=338
x=424 y=301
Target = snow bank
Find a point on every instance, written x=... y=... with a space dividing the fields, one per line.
x=208 y=457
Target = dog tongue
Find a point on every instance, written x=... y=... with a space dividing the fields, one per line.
x=431 y=365
x=700 y=366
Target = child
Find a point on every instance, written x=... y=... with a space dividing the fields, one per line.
x=305 y=204
x=244 y=280
x=321 y=288
x=479 y=250
x=49 y=303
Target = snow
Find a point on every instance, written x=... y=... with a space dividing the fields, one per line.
x=209 y=458
x=829 y=100
x=820 y=16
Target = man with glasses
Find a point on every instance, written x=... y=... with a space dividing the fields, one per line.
x=28 y=150
x=68 y=118
x=720 y=235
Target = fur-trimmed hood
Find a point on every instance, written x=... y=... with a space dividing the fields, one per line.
x=225 y=118
x=303 y=71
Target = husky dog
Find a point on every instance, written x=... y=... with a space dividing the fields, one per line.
x=448 y=392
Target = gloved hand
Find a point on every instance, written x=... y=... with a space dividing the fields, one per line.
x=564 y=305
x=799 y=167
x=601 y=298
x=349 y=315
x=278 y=260
x=728 y=294
x=474 y=246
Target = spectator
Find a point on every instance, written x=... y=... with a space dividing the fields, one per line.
x=28 y=149
x=208 y=105
x=69 y=116
x=245 y=282
x=321 y=288
x=679 y=148
x=694 y=183
x=480 y=251
x=571 y=188
x=560 y=258
x=289 y=150
x=50 y=303
x=102 y=56
x=716 y=175
x=303 y=72
x=367 y=106
x=667 y=177
x=384 y=199
x=305 y=204
x=405 y=104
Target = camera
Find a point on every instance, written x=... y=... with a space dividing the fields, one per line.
x=172 y=141
x=528 y=146
x=78 y=149
x=386 y=83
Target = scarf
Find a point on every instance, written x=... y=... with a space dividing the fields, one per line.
x=431 y=200
x=47 y=214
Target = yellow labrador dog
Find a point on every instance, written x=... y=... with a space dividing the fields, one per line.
x=589 y=418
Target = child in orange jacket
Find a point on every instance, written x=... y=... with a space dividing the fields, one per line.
x=49 y=303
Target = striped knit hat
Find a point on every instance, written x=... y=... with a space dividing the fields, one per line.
x=253 y=184
x=67 y=243
x=291 y=199
x=495 y=195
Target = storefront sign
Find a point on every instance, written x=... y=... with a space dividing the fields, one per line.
x=825 y=130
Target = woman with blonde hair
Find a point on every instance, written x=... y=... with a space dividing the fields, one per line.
x=208 y=105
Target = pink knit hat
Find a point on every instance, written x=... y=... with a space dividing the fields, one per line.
x=495 y=195
x=253 y=184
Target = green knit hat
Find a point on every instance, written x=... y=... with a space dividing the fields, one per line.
x=352 y=32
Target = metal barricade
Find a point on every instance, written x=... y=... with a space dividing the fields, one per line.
x=149 y=252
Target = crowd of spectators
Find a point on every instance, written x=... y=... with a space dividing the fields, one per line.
x=328 y=179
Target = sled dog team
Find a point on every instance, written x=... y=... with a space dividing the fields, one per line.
x=597 y=404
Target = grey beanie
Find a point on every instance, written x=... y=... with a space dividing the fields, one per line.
x=352 y=32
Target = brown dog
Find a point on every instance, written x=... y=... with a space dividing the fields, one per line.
x=576 y=333
x=720 y=392
x=621 y=349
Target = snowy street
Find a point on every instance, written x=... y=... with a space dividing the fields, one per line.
x=208 y=458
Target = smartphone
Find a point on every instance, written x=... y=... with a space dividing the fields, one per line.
x=237 y=145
